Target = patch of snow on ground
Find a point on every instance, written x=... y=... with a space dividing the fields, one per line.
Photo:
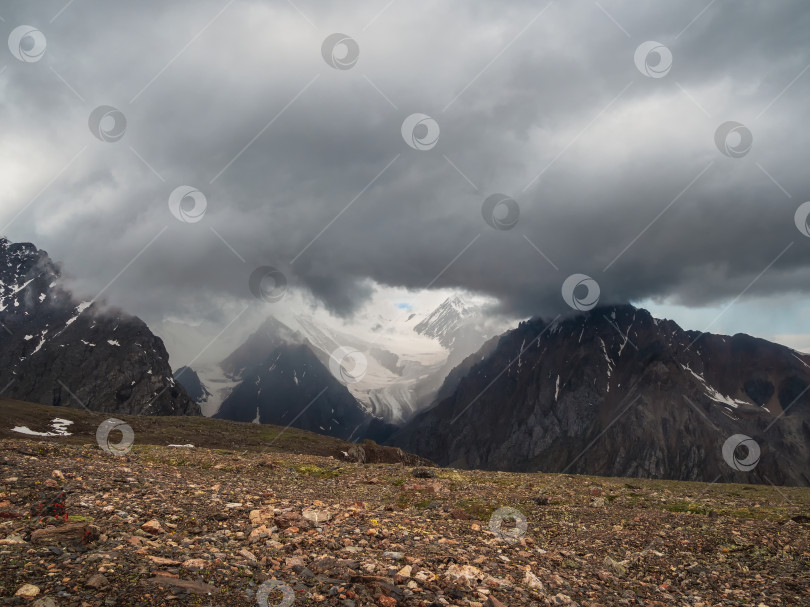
x=607 y=358
x=41 y=343
x=713 y=393
x=626 y=335
x=58 y=425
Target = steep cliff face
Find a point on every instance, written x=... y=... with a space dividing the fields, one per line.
x=56 y=350
x=196 y=390
x=617 y=392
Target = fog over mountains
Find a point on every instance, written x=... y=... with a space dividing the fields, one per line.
x=560 y=236
x=611 y=391
x=397 y=373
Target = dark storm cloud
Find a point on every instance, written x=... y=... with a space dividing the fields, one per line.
x=516 y=96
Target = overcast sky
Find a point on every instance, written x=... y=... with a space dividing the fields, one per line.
x=603 y=121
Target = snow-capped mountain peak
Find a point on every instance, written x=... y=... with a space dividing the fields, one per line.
x=443 y=323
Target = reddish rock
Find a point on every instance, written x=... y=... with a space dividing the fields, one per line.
x=289 y=519
x=154 y=527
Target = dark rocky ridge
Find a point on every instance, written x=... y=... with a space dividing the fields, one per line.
x=608 y=393
x=52 y=345
x=258 y=346
x=292 y=386
x=188 y=378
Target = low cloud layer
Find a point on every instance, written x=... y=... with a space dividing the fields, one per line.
x=610 y=157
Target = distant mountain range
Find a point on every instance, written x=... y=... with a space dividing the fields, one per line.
x=610 y=392
x=616 y=392
x=57 y=350
x=613 y=391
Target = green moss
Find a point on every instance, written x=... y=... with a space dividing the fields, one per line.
x=477 y=508
x=403 y=501
x=689 y=507
x=317 y=471
x=454 y=476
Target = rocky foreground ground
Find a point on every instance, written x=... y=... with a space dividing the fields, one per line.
x=193 y=526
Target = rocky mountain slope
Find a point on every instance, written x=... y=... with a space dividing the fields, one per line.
x=188 y=378
x=239 y=527
x=617 y=392
x=57 y=350
x=293 y=387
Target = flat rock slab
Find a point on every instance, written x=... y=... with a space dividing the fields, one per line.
x=72 y=533
x=192 y=587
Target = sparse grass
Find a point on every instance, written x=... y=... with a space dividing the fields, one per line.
x=317 y=471
x=661 y=531
x=772 y=513
x=689 y=507
x=454 y=476
x=477 y=508
x=222 y=436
